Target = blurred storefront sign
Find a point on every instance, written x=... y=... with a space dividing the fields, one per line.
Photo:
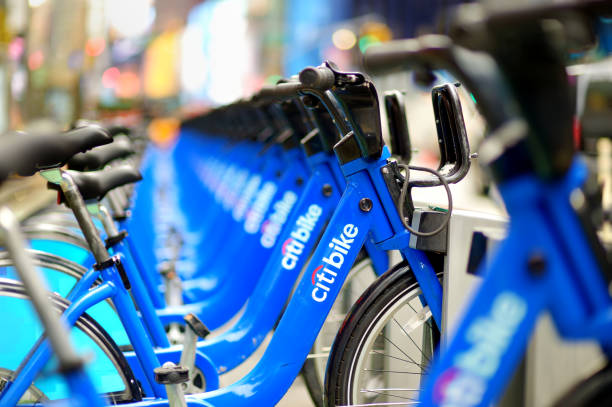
x=160 y=70
x=216 y=53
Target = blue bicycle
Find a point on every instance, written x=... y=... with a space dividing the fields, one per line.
x=548 y=193
x=368 y=210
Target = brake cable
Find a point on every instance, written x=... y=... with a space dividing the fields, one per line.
x=404 y=191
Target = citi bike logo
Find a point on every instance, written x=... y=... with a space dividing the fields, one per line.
x=245 y=199
x=465 y=383
x=272 y=226
x=293 y=247
x=325 y=275
x=231 y=195
x=260 y=206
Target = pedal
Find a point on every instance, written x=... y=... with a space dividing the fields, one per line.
x=194 y=330
x=172 y=377
x=196 y=326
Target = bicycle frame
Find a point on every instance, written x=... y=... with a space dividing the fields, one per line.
x=295 y=243
x=199 y=293
x=525 y=278
x=242 y=280
x=111 y=288
x=114 y=286
x=366 y=212
x=282 y=362
x=228 y=350
x=347 y=231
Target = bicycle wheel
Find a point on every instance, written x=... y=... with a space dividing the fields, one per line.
x=113 y=375
x=385 y=345
x=593 y=391
x=62 y=274
x=361 y=276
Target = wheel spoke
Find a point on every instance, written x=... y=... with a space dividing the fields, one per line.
x=390 y=371
x=387 y=394
x=317 y=355
x=388 y=403
x=398 y=348
x=410 y=337
x=390 y=356
x=390 y=389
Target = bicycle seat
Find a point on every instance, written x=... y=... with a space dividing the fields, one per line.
x=100 y=156
x=96 y=184
x=55 y=151
x=27 y=153
x=116 y=130
x=10 y=155
x=113 y=129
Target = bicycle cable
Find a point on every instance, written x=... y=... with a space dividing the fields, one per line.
x=404 y=191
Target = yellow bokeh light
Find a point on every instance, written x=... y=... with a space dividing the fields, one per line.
x=344 y=39
x=379 y=30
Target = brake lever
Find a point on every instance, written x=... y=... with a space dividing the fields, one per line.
x=357 y=101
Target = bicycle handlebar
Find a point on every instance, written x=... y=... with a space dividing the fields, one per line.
x=414 y=52
x=317 y=78
x=311 y=78
x=477 y=70
x=278 y=92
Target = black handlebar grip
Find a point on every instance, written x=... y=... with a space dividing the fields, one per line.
x=478 y=71
x=390 y=55
x=319 y=78
x=278 y=92
x=432 y=51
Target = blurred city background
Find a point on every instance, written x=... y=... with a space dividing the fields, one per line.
x=154 y=63
x=61 y=60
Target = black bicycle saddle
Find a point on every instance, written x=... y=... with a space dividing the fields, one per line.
x=94 y=185
x=113 y=129
x=100 y=156
x=10 y=155
x=27 y=153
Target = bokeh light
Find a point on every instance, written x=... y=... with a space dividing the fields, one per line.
x=130 y=18
x=366 y=41
x=344 y=39
x=35 y=60
x=15 y=48
x=110 y=77
x=36 y=3
x=95 y=46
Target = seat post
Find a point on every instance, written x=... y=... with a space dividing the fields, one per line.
x=114 y=202
x=107 y=221
x=79 y=208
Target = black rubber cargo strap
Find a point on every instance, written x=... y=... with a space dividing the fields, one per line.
x=113 y=240
x=115 y=261
x=121 y=216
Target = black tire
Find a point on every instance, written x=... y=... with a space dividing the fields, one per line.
x=384 y=301
x=594 y=391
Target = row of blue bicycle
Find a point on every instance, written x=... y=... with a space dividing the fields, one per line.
x=163 y=269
